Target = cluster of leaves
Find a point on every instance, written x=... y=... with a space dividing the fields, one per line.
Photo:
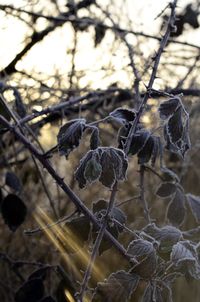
x=143 y=142
x=148 y=146
x=82 y=230
x=107 y=164
x=118 y=287
x=159 y=256
x=155 y=248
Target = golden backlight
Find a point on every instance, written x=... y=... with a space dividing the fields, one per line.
x=52 y=53
x=62 y=239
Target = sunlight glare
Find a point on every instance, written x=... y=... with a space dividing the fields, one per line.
x=64 y=237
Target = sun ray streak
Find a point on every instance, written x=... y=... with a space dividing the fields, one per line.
x=63 y=240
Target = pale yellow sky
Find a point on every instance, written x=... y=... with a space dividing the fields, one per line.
x=52 y=52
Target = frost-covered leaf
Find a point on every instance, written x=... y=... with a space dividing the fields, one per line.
x=167 y=236
x=194 y=203
x=107 y=177
x=138 y=141
x=175 y=126
x=30 y=291
x=99 y=205
x=166 y=189
x=114 y=165
x=13 y=211
x=183 y=251
x=140 y=248
x=99 y=209
x=120 y=216
x=106 y=243
x=69 y=136
x=147 y=267
x=144 y=252
x=176 y=208
x=93 y=168
x=176 y=132
x=145 y=145
x=152 y=293
x=123 y=115
x=186 y=143
x=146 y=153
x=185 y=257
x=119 y=162
x=78 y=230
x=115 y=213
x=167 y=108
x=158 y=294
x=152 y=230
x=147 y=295
x=80 y=171
x=13 y=181
x=94 y=139
x=117 y=288
x=107 y=164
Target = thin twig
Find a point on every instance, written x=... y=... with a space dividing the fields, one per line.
x=154 y=172
x=61 y=19
x=46 y=190
x=144 y=102
x=125 y=228
x=119 y=204
x=97 y=243
x=14 y=268
x=122 y=35
x=49 y=226
x=55 y=108
x=152 y=77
